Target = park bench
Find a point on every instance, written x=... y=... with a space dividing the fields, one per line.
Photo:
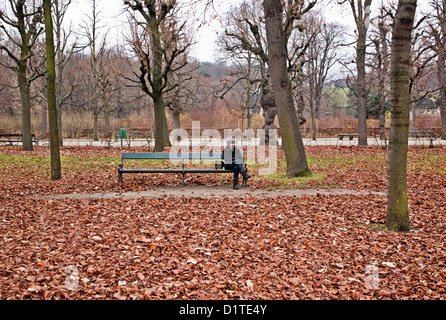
x=139 y=135
x=179 y=157
x=349 y=135
x=16 y=138
x=419 y=134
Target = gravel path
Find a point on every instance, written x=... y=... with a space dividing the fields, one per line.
x=210 y=192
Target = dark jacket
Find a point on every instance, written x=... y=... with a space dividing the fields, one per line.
x=233 y=156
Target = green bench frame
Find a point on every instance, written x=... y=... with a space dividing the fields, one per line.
x=175 y=156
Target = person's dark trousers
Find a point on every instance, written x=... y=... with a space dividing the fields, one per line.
x=238 y=168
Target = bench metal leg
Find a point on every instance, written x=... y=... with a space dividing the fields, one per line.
x=119 y=173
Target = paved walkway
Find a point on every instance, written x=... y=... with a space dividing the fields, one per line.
x=210 y=192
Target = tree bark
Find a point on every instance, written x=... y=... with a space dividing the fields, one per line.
x=51 y=93
x=438 y=31
x=44 y=126
x=397 y=218
x=161 y=128
x=361 y=13
x=25 y=99
x=382 y=69
x=441 y=75
x=24 y=84
x=176 y=119
x=269 y=111
x=23 y=32
x=292 y=143
x=361 y=89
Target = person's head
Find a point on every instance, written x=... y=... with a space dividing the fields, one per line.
x=231 y=143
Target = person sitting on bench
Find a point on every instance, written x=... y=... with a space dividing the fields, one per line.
x=233 y=160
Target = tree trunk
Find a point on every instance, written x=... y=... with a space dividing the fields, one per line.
x=106 y=118
x=361 y=89
x=292 y=143
x=382 y=116
x=441 y=74
x=95 y=121
x=361 y=12
x=94 y=58
x=413 y=123
x=161 y=127
x=26 y=108
x=269 y=112
x=312 y=109
x=397 y=218
x=59 y=70
x=176 y=119
x=51 y=93
x=381 y=97
x=161 y=130
x=382 y=49
x=44 y=127
x=24 y=85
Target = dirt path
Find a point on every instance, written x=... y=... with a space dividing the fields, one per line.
x=209 y=192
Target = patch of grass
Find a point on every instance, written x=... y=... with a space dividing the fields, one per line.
x=431 y=164
x=40 y=165
x=286 y=182
x=9 y=160
x=348 y=162
x=380 y=227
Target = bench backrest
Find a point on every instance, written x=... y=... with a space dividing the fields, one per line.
x=13 y=134
x=173 y=156
x=419 y=133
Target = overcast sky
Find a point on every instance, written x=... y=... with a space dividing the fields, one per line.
x=111 y=16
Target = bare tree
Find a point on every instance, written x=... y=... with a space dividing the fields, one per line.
x=246 y=32
x=437 y=28
x=243 y=84
x=108 y=83
x=181 y=99
x=158 y=40
x=397 y=218
x=292 y=143
x=91 y=31
x=245 y=37
x=56 y=172
x=25 y=21
x=380 y=64
x=63 y=53
x=321 y=56
x=361 y=13
x=421 y=70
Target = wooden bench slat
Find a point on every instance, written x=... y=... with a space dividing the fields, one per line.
x=170 y=156
x=175 y=170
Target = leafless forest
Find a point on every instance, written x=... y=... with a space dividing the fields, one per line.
x=102 y=85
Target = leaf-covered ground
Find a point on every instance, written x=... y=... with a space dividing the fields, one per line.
x=311 y=247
